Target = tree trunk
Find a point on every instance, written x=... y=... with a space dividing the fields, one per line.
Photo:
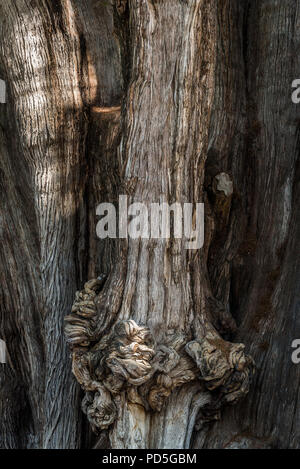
x=160 y=101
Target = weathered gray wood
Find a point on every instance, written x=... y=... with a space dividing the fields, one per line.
x=44 y=235
x=265 y=271
x=153 y=99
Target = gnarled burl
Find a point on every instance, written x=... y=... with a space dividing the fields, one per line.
x=128 y=360
x=150 y=343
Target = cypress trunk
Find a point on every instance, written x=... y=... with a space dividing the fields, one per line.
x=161 y=101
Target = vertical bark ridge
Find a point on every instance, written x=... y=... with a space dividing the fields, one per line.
x=266 y=314
x=53 y=67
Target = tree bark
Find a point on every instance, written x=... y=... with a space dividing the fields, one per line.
x=162 y=101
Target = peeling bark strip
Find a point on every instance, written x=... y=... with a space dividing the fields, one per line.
x=2 y=92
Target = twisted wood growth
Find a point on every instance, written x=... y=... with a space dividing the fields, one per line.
x=161 y=100
x=129 y=359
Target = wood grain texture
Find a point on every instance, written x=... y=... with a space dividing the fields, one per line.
x=161 y=158
x=45 y=173
x=159 y=100
x=264 y=272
